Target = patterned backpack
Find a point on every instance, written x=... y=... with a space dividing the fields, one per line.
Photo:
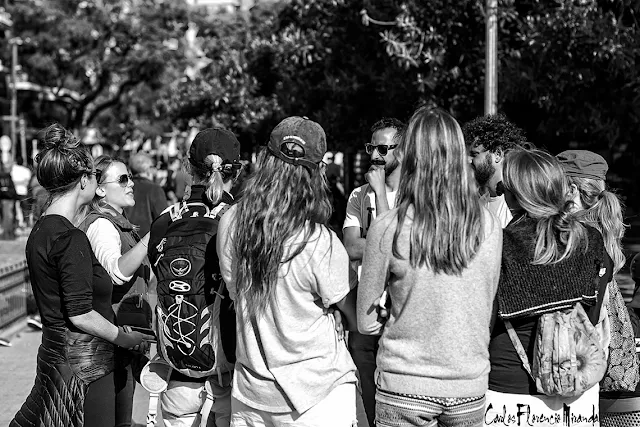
x=196 y=320
x=568 y=358
x=623 y=371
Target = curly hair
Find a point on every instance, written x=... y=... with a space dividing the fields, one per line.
x=494 y=132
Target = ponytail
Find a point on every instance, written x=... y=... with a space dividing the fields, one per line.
x=606 y=216
x=556 y=231
x=214 y=181
x=214 y=187
x=603 y=211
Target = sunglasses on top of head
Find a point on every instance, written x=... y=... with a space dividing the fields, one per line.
x=382 y=149
x=122 y=180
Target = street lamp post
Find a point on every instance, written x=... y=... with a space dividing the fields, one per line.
x=14 y=96
x=491 y=58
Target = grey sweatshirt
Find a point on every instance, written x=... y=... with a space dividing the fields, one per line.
x=436 y=339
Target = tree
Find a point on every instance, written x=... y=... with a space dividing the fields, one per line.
x=318 y=59
x=93 y=55
x=224 y=92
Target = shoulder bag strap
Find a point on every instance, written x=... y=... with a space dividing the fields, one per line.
x=518 y=346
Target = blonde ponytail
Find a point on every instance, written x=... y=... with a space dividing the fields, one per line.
x=603 y=211
x=563 y=229
x=215 y=182
x=538 y=183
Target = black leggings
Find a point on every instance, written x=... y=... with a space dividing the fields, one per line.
x=100 y=403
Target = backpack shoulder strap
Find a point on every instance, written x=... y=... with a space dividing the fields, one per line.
x=224 y=207
x=518 y=346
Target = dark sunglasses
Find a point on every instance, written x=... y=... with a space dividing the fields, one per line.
x=122 y=180
x=382 y=149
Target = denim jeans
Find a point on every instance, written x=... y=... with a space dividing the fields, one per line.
x=364 y=349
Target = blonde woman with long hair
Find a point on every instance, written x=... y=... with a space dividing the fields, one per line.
x=602 y=209
x=437 y=258
x=550 y=262
x=286 y=270
x=123 y=254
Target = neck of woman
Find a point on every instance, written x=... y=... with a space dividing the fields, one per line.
x=66 y=205
x=116 y=208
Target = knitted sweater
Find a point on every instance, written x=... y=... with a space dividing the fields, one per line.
x=526 y=289
x=435 y=341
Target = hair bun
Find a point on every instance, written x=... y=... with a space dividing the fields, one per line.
x=57 y=137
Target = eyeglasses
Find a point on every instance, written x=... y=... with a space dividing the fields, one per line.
x=382 y=149
x=122 y=180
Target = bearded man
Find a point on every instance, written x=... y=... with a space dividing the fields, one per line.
x=364 y=204
x=488 y=139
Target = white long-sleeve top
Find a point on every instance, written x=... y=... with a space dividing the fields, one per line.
x=107 y=247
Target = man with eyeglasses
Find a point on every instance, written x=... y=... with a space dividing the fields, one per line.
x=365 y=203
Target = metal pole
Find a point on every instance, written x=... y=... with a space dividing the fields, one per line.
x=23 y=141
x=491 y=59
x=14 y=97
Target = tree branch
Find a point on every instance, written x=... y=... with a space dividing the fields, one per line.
x=111 y=102
x=102 y=83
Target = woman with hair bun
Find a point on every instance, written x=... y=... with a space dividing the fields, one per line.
x=74 y=384
x=550 y=262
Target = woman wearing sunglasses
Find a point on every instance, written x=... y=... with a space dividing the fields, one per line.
x=123 y=254
x=74 y=384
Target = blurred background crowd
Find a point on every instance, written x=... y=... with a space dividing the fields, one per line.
x=134 y=76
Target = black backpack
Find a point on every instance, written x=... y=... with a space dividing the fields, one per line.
x=196 y=319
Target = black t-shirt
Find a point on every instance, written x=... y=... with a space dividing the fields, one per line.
x=507 y=373
x=66 y=277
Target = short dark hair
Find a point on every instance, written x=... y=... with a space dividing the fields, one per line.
x=389 y=122
x=494 y=132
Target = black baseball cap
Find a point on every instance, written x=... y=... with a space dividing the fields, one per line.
x=218 y=141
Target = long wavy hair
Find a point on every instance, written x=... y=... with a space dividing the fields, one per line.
x=438 y=195
x=603 y=211
x=537 y=181
x=280 y=201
